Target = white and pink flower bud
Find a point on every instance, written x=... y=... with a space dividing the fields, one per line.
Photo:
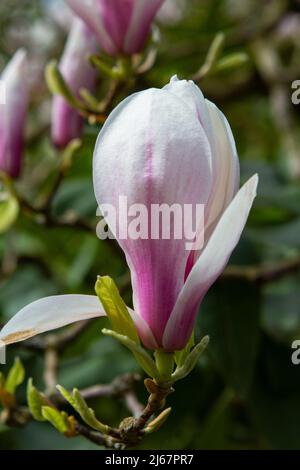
x=13 y=112
x=121 y=26
x=161 y=146
x=67 y=123
x=172 y=146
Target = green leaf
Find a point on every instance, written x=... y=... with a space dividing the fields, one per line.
x=36 y=401
x=58 y=419
x=142 y=357
x=57 y=85
x=180 y=356
x=69 y=153
x=86 y=413
x=231 y=61
x=9 y=210
x=191 y=360
x=15 y=376
x=115 y=308
x=212 y=56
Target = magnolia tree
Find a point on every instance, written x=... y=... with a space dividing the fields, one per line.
x=167 y=182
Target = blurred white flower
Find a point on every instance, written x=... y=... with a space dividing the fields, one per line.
x=172 y=11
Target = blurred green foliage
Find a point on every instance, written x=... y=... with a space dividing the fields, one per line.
x=245 y=392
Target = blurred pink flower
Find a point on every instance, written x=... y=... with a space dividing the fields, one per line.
x=121 y=26
x=13 y=114
x=67 y=123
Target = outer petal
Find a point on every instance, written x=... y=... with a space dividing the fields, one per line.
x=89 y=11
x=13 y=114
x=144 y=330
x=193 y=97
x=116 y=16
x=66 y=122
x=225 y=164
x=50 y=313
x=149 y=151
x=209 y=266
x=140 y=24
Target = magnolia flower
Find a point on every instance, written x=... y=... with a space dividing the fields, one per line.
x=121 y=26
x=13 y=113
x=67 y=123
x=167 y=146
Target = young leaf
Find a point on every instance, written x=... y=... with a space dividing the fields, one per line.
x=154 y=425
x=191 y=360
x=142 y=357
x=57 y=85
x=9 y=210
x=86 y=413
x=180 y=356
x=115 y=308
x=15 y=376
x=36 y=401
x=58 y=419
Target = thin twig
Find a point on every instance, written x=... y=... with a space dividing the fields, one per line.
x=262 y=274
x=97 y=437
x=50 y=371
x=132 y=403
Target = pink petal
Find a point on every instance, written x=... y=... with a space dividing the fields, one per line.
x=116 y=16
x=144 y=330
x=13 y=114
x=140 y=24
x=67 y=124
x=89 y=11
x=209 y=266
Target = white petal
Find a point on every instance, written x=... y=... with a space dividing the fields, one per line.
x=50 y=313
x=193 y=97
x=226 y=162
x=226 y=173
x=209 y=266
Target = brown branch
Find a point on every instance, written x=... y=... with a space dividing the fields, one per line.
x=50 y=371
x=262 y=274
x=97 y=437
x=132 y=403
x=116 y=389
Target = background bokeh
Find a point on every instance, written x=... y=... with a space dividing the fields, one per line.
x=245 y=391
